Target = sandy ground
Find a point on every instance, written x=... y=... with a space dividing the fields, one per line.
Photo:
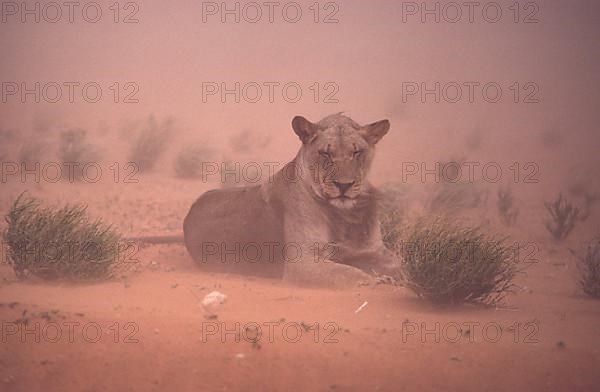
x=151 y=332
x=148 y=331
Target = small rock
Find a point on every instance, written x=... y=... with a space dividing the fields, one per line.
x=213 y=300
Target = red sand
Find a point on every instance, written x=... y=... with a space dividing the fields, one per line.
x=155 y=335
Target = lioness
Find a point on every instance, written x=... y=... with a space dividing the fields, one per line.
x=314 y=222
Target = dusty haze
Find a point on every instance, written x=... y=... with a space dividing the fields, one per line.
x=542 y=132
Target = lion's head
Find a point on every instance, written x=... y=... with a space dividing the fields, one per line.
x=338 y=153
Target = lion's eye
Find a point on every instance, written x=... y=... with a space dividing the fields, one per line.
x=358 y=154
x=325 y=154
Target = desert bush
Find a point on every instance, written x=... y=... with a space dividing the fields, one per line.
x=563 y=217
x=188 y=163
x=590 y=270
x=582 y=185
x=150 y=144
x=52 y=243
x=74 y=149
x=506 y=206
x=449 y=264
x=31 y=154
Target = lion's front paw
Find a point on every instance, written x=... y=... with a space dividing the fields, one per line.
x=386 y=279
x=350 y=277
x=328 y=274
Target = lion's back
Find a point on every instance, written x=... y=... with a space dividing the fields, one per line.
x=233 y=230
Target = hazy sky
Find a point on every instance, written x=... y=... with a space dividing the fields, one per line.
x=367 y=61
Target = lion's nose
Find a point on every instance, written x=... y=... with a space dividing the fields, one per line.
x=343 y=186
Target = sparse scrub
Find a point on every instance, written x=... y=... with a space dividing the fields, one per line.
x=51 y=243
x=31 y=154
x=506 y=206
x=150 y=144
x=74 y=149
x=449 y=264
x=590 y=270
x=563 y=217
x=582 y=185
x=188 y=163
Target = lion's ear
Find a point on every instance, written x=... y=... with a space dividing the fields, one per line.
x=304 y=128
x=374 y=132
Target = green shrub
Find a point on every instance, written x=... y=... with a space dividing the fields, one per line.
x=446 y=263
x=52 y=243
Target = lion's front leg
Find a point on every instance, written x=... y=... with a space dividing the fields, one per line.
x=310 y=266
x=324 y=273
x=377 y=261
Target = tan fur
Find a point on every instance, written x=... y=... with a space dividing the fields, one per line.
x=314 y=222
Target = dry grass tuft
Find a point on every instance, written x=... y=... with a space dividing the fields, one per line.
x=590 y=270
x=59 y=243
x=448 y=264
x=563 y=217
